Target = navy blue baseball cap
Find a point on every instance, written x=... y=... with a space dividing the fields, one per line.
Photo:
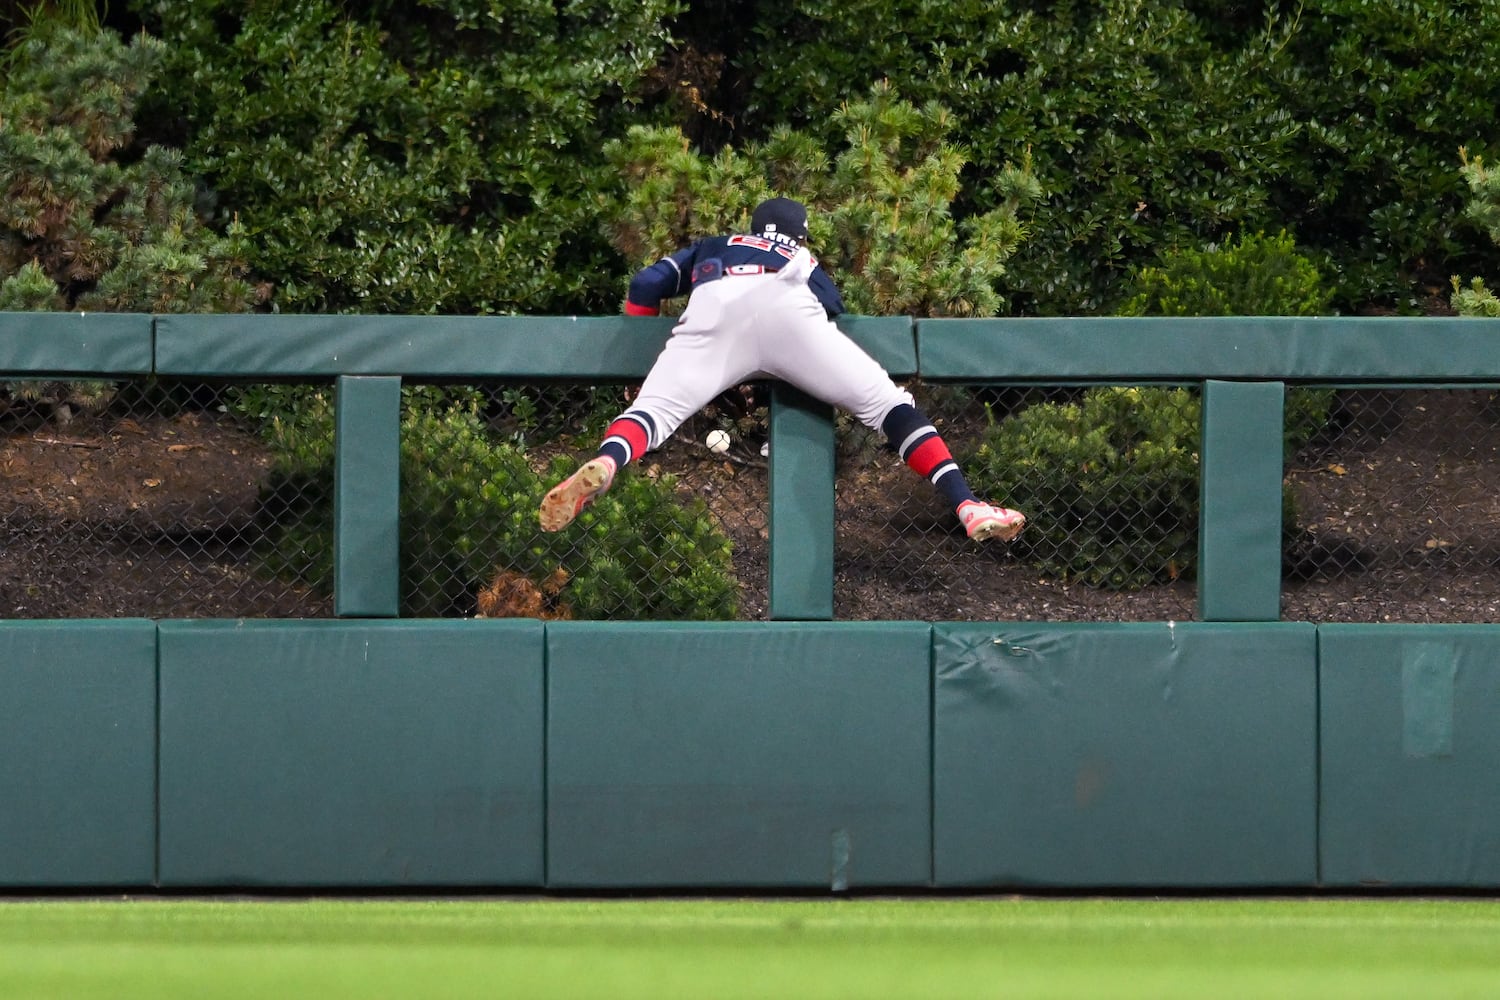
x=780 y=216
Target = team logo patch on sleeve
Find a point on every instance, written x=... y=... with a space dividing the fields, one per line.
x=708 y=270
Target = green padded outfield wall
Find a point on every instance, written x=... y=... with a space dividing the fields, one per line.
x=329 y=753
x=78 y=753
x=774 y=755
x=1411 y=755
x=1124 y=755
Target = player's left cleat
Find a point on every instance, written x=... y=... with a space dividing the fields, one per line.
x=566 y=500
x=983 y=521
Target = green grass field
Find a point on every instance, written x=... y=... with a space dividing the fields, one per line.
x=909 y=948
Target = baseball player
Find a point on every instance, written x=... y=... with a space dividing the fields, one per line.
x=759 y=305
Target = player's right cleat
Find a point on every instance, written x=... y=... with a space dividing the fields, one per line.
x=567 y=499
x=983 y=521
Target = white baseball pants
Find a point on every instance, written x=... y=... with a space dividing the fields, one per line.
x=741 y=327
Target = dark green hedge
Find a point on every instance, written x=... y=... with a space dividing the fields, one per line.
x=1161 y=125
x=386 y=157
x=446 y=156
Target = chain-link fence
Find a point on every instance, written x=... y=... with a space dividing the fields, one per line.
x=1109 y=537
x=1396 y=508
x=155 y=499
x=171 y=499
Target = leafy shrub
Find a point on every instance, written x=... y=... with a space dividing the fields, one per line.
x=468 y=509
x=440 y=157
x=880 y=207
x=649 y=556
x=1384 y=93
x=469 y=506
x=1143 y=133
x=1256 y=275
x=1109 y=484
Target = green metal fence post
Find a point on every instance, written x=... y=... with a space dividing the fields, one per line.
x=366 y=504
x=1239 y=539
x=801 y=506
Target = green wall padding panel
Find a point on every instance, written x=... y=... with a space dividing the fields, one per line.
x=46 y=343
x=602 y=347
x=78 y=753
x=462 y=346
x=738 y=755
x=1239 y=545
x=801 y=506
x=326 y=753
x=1170 y=755
x=367 y=497
x=1410 y=755
x=1193 y=348
x=890 y=340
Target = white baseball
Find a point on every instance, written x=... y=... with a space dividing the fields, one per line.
x=717 y=442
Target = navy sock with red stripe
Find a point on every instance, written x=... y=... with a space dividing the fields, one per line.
x=920 y=446
x=627 y=438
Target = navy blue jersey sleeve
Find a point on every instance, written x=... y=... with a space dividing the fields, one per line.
x=827 y=292
x=666 y=279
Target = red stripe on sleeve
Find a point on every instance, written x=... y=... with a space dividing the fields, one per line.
x=631 y=309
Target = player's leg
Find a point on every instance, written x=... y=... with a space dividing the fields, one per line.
x=818 y=358
x=923 y=449
x=701 y=359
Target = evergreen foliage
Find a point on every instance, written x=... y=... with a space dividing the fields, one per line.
x=1109 y=484
x=1484 y=194
x=1476 y=299
x=88 y=219
x=1254 y=275
x=469 y=506
x=111 y=225
x=461 y=156
x=385 y=159
x=444 y=157
x=880 y=208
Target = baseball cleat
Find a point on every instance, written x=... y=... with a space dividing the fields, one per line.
x=567 y=499
x=983 y=521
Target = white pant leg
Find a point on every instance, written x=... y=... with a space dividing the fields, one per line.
x=801 y=345
x=713 y=346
